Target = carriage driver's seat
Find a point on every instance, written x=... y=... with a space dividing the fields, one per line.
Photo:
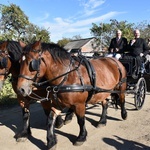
x=130 y=64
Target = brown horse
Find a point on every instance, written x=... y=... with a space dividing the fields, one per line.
x=73 y=82
x=10 y=54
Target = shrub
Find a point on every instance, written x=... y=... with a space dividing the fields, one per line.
x=7 y=95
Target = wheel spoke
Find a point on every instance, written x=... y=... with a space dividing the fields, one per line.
x=140 y=94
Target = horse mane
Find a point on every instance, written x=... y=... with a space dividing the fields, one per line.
x=57 y=52
x=15 y=50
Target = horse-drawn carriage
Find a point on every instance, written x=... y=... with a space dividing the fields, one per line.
x=137 y=85
x=73 y=82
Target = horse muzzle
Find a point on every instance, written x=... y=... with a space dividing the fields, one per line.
x=25 y=90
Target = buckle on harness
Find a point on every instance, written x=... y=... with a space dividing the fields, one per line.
x=55 y=89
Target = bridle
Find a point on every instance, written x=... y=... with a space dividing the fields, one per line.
x=4 y=61
x=34 y=66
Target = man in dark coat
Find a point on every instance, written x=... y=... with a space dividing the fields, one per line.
x=138 y=48
x=117 y=46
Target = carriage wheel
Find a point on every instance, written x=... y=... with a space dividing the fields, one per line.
x=140 y=93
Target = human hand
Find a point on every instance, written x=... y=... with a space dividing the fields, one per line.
x=141 y=54
x=147 y=57
x=117 y=49
x=112 y=50
x=132 y=42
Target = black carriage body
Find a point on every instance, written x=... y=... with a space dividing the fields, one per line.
x=137 y=86
x=130 y=64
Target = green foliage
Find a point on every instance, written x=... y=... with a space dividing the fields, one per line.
x=63 y=42
x=7 y=95
x=144 y=28
x=33 y=33
x=14 y=24
x=104 y=32
x=13 y=21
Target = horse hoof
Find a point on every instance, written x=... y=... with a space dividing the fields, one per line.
x=58 y=126
x=52 y=148
x=124 y=116
x=99 y=125
x=22 y=139
x=67 y=121
x=78 y=143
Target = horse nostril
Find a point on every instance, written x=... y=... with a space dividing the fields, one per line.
x=24 y=91
x=21 y=91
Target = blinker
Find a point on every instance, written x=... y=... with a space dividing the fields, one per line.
x=3 y=62
x=34 y=64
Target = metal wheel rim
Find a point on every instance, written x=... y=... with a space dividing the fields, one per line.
x=140 y=93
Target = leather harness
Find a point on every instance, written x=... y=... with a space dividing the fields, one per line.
x=91 y=89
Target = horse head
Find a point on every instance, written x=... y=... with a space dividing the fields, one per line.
x=8 y=50
x=32 y=68
x=5 y=63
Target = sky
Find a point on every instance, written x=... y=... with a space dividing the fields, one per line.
x=68 y=18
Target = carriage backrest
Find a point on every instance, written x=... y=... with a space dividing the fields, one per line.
x=129 y=63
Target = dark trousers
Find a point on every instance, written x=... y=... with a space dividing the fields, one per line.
x=139 y=61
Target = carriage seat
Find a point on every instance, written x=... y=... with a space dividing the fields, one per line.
x=129 y=63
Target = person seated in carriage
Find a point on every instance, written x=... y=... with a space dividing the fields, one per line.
x=139 y=49
x=117 y=46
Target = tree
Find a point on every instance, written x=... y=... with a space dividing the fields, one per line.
x=34 y=32
x=63 y=41
x=144 y=28
x=14 y=25
x=13 y=21
x=76 y=37
x=104 y=32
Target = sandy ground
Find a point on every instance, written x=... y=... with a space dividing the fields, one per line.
x=118 y=134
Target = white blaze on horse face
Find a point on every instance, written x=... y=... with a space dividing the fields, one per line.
x=23 y=58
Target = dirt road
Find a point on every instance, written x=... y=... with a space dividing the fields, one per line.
x=118 y=134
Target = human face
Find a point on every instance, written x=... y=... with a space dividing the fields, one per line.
x=137 y=33
x=118 y=34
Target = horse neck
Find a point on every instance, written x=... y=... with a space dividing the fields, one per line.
x=15 y=69
x=56 y=69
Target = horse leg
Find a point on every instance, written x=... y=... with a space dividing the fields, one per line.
x=24 y=103
x=60 y=122
x=103 y=119
x=115 y=99
x=26 y=126
x=47 y=107
x=122 y=105
x=80 y=113
x=68 y=116
x=51 y=137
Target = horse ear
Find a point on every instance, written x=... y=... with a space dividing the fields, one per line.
x=22 y=44
x=38 y=44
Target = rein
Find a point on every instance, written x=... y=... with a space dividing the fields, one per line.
x=51 y=80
